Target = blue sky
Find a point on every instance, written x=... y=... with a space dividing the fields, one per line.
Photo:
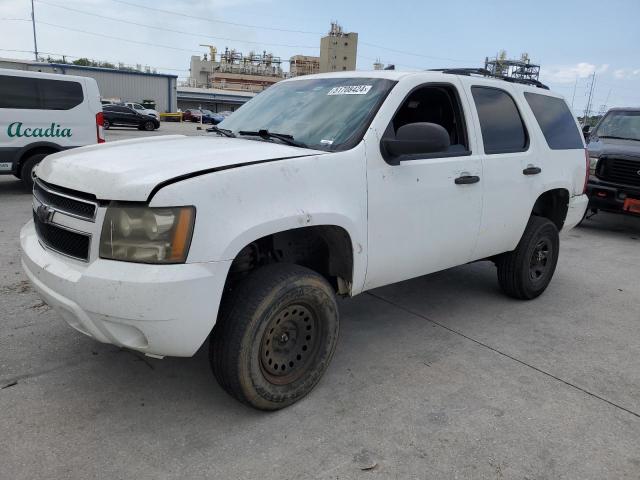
x=571 y=39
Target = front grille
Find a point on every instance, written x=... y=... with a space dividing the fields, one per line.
x=62 y=202
x=66 y=242
x=620 y=170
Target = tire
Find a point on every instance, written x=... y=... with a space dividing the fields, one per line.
x=149 y=126
x=275 y=336
x=526 y=272
x=26 y=170
x=106 y=124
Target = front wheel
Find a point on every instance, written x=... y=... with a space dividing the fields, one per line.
x=26 y=171
x=106 y=124
x=526 y=272
x=275 y=337
x=149 y=126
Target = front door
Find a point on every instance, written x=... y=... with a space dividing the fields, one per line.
x=424 y=209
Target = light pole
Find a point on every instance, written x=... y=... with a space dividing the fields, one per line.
x=33 y=22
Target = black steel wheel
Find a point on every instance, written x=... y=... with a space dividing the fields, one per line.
x=275 y=336
x=526 y=272
x=290 y=344
x=540 y=260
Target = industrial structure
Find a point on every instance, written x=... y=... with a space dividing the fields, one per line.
x=523 y=69
x=234 y=71
x=253 y=72
x=338 y=50
x=157 y=89
x=303 y=65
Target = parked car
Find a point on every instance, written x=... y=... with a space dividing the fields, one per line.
x=121 y=116
x=44 y=113
x=143 y=110
x=614 y=152
x=191 y=115
x=321 y=186
x=211 y=117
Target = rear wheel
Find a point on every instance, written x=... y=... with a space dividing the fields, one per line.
x=526 y=272
x=275 y=336
x=26 y=171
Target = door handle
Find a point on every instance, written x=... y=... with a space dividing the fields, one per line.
x=531 y=170
x=467 y=179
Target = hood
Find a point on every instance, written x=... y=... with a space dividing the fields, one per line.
x=130 y=169
x=612 y=146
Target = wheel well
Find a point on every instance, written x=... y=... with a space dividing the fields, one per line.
x=326 y=249
x=31 y=152
x=553 y=205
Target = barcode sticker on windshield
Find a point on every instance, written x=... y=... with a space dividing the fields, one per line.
x=350 y=90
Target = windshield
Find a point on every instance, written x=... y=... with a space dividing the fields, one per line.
x=624 y=125
x=324 y=114
x=207 y=112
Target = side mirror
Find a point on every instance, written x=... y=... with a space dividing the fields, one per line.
x=417 y=138
x=586 y=132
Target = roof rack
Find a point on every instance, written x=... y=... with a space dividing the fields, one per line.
x=486 y=73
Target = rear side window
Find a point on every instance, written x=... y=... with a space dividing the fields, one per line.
x=555 y=120
x=503 y=130
x=39 y=93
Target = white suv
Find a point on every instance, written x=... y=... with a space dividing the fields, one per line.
x=320 y=186
x=143 y=110
x=44 y=113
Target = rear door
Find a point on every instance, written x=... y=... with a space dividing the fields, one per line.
x=511 y=167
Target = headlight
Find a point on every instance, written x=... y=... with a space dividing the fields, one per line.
x=593 y=163
x=146 y=234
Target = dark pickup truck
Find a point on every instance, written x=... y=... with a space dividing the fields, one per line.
x=614 y=152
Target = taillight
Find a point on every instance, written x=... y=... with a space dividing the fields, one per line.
x=100 y=127
x=586 y=174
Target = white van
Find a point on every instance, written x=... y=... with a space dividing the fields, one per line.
x=44 y=113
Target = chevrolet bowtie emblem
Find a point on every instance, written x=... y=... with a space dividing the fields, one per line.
x=44 y=213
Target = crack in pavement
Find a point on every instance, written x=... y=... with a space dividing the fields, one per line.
x=38 y=373
x=60 y=366
x=504 y=354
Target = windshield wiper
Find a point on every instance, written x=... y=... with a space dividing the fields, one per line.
x=267 y=135
x=223 y=131
x=619 y=138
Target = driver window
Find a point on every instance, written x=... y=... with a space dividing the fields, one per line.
x=437 y=104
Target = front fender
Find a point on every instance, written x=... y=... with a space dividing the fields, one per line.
x=237 y=206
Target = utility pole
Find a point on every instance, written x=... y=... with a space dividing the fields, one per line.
x=33 y=22
x=575 y=85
